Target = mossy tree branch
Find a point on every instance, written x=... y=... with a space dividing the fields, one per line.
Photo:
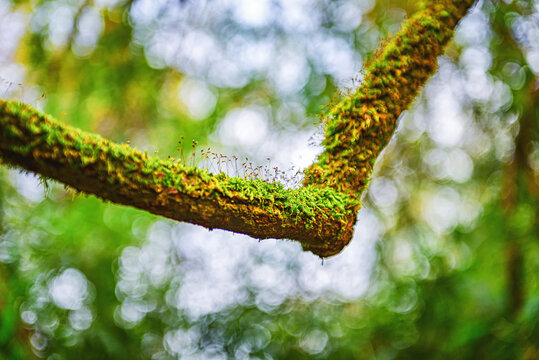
x=361 y=124
x=320 y=215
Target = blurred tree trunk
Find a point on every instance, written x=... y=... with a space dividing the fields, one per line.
x=521 y=187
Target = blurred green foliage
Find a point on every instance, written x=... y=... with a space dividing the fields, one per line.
x=455 y=197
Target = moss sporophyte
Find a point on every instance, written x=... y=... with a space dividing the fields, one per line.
x=320 y=214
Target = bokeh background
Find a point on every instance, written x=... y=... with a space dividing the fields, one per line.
x=445 y=258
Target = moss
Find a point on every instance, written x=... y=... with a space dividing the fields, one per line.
x=40 y=133
x=320 y=215
x=359 y=126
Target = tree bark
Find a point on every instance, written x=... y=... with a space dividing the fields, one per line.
x=320 y=215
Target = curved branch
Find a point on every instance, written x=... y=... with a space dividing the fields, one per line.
x=321 y=219
x=320 y=215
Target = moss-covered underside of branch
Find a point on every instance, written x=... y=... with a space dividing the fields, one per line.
x=320 y=215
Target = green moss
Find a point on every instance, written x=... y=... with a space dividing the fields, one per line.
x=359 y=126
x=47 y=139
